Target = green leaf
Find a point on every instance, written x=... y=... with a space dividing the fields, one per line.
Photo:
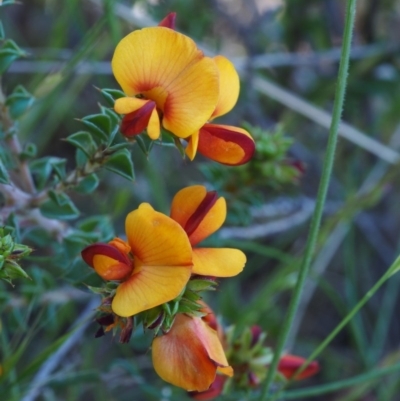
x=59 y=167
x=59 y=207
x=19 y=102
x=111 y=95
x=99 y=125
x=8 y=53
x=83 y=141
x=145 y=143
x=29 y=152
x=41 y=169
x=4 y=178
x=114 y=120
x=88 y=184
x=121 y=163
x=81 y=158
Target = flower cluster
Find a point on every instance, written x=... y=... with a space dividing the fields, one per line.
x=169 y=82
x=157 y=275
x=250 y=359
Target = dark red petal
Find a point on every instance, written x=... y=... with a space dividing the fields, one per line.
x=103 y=249
x=136 y=122
x=197 y=217
x=289 y=364
x=214 y=391
x=168 y=21
x=255 y=334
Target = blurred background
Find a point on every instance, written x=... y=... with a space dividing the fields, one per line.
x=287 y=53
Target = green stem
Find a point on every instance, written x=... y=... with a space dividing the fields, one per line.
x=339 y=385
x=394 y=268
x=322 y=191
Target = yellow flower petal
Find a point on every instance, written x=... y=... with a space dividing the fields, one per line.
x=192 y=98
x=152 y=57
x=166 y=66
x=153 y=128
x=156 y=239
x=191 y=148
x=126 y=105
x=226 y=144
x=218 y=262
x=162 y=262
x=189 y=355
x=184 y=206
x=229 y=86
x=150 y=287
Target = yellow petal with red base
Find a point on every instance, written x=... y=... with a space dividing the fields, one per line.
x=229 y=86
x=109 y=261
x=218 y=262
x=166 y=67
x=139 y=115
x=226 y=144
x=189 y=355
x=149 y=287
x=200 y=217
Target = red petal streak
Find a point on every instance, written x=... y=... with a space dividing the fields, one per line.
x=197 y=217
x=289 y=364
x=103 y=249
x=222 y=145
x=214 y=391
x=168 y=21
x=134 y=123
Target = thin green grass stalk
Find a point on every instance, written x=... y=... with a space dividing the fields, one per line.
x=382 y=325
x=322 y=191
x=342 y=384
x=357 y=326
x=394 y=268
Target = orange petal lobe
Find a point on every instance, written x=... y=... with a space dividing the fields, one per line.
x=226 y=144
x=186 y=204
x=229 y=86
x=218 y=262
x=149 y=287
x=189 y=354
x=108 y=261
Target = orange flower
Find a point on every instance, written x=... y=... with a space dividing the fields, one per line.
x=164 y=76
x=153 y=267
x=190 y=354
x=201 y=213
x=223 y=143
x=289 y=364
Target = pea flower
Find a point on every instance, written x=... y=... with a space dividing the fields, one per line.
x=202 y=213
x=223 y=143
x=289 y=364
x=165 y=77
x=190 y=354
x=153 y=266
